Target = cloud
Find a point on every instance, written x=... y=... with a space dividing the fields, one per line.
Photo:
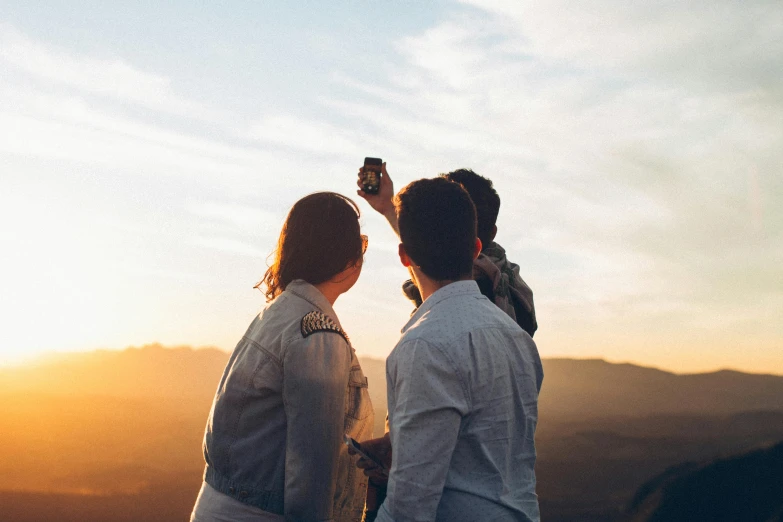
x=111 y=78
x=230 y=245
x=637 y=150
x=719 y=44
x=306 y=135
x=233 y=227
x=242 y=218
x=39 y=124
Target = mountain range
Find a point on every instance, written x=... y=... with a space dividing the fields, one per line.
x=124 y=428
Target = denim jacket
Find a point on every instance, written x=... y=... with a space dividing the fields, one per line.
x=291 y=389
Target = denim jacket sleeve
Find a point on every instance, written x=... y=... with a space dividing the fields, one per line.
x=316 y=370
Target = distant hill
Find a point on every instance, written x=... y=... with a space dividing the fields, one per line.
x=149 y=371
x=588 y=388
x=746 y=487
x=115 y=429
x=573 y=389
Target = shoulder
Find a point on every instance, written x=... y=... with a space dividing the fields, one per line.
x=427 y=370
x=418 y=354
x=452 y=319
x=315 y=321
x=319 y=340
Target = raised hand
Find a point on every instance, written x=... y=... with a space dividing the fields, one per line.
x=382 y=201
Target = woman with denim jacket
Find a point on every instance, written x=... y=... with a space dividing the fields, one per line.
x=293 y=386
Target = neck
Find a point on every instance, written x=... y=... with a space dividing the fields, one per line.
x=428 y=286
x=329 y=290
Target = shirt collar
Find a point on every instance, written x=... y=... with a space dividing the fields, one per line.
x=312 y=295
x=441 y=294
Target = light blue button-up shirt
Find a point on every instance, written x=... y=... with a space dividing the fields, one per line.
x=463 y=385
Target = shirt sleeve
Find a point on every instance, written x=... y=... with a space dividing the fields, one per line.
x=428 y=405
x=315 y=382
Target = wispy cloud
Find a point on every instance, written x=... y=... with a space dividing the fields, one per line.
x=58 y=125
x=719 y=45
x=244 y=218
x=233 y=227
x=634 y=147
x=112 y=78
x=229 y=245
x=306 y=135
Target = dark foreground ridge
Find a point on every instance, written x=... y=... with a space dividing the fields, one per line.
x=746 y=487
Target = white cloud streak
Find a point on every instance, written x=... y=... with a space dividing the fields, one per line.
x=111 y=78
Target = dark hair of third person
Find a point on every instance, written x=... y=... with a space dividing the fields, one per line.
x=484 y=196
x=437 y=223
x=320 y=238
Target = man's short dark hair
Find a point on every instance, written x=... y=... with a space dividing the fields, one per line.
x=484 y=197
x=437 y=222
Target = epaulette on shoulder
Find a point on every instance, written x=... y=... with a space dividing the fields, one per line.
x=316 y=321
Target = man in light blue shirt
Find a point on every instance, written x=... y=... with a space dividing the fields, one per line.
x=462 y=382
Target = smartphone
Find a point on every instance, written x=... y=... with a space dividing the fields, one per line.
x=351 y=443
x=371 y=175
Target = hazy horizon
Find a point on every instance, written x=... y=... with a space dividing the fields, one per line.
x=47 y=357
x=149 y=154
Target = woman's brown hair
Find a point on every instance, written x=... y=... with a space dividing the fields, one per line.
x=320 y=238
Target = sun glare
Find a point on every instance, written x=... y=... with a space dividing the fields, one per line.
x=56 y=298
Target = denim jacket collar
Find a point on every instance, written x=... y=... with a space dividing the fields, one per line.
x=303 y=289
x=450 y=290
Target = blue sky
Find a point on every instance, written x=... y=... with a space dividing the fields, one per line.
x=149 y=153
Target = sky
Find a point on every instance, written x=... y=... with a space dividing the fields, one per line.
x=149 y=154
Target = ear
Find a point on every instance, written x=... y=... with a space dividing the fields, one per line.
x=494 y=233
x=404 y=259
x=477 y=249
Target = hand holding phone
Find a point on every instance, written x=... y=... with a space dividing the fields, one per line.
x=355 y=447
x=370 y=175
x=382 y=200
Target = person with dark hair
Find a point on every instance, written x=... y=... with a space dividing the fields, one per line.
x=462 y=382
x=293 y=386
x=497 y=277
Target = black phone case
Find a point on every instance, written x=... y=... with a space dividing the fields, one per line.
x=371 y=177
